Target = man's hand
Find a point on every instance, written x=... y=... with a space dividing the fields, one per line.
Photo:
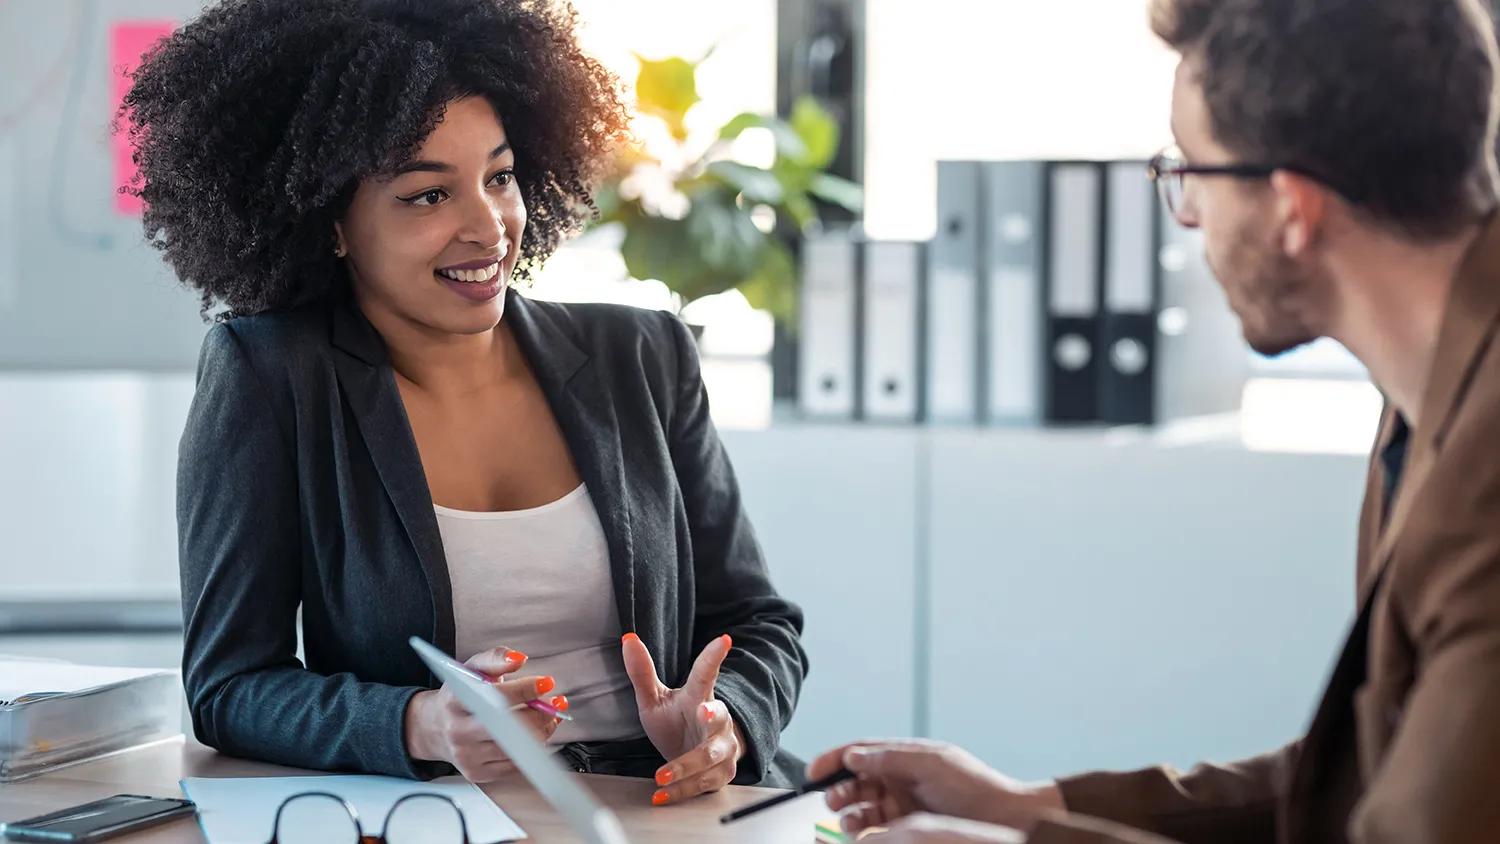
x=687 y=725
x=898 y=779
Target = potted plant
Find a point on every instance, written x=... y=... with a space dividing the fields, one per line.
x=703 y=223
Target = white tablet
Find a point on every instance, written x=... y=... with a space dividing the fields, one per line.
x=596 y=824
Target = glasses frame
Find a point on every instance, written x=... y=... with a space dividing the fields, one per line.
x=463 y=824
x=1162 y=174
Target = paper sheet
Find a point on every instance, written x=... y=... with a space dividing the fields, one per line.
x=241 y=811
x=20 y=677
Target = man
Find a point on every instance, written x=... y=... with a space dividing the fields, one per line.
x=1338 y=157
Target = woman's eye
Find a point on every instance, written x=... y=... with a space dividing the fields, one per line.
x=431 y=197
x=504 y=178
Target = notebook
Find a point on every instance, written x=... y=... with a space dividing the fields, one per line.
x=55 y=714
x=25 y=680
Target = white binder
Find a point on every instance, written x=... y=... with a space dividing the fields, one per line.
x=951 y=379
x=891 y=304
x=1202 y=360
x=1014 y=252
x=827 y=377
x=10 y=250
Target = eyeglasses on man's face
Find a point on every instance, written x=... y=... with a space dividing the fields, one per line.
x=317 y=817
x=1168 y=169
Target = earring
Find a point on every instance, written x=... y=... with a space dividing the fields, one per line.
x=339 y=251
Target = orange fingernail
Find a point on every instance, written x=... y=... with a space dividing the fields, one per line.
x=728 y=641
x=545 y=685
x=708 y=712
x=631 y=637
x=515 y=657
x=659 y=798
x=663 y=777
x=560 y=703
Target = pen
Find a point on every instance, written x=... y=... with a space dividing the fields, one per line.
x=539 y=705
x=543 y=707
x=807 y=788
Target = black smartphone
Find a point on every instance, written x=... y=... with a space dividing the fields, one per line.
x=100 y=819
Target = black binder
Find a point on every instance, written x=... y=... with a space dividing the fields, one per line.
x=1074 y=282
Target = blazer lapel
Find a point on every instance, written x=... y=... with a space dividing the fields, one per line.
x=369 y=384
x=579 y=397
x=1372 y=512
x=1466 y=333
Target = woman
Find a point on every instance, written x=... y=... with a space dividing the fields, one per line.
x=390 y=440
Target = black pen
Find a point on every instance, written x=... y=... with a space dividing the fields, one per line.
x=819 y=785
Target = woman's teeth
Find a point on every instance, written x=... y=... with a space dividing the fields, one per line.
x=472 y=276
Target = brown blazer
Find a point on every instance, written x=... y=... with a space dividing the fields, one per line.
x=1405 y=745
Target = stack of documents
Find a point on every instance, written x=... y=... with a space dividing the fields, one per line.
x=55 y=714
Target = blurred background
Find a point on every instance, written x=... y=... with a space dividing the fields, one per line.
x=997 y=432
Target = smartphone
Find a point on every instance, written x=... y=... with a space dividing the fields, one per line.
x=100 y=819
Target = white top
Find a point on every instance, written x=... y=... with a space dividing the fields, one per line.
x=538 y=581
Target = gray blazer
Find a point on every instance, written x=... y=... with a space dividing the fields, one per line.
x=300 y=486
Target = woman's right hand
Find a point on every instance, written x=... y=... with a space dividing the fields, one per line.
x=440 y=729
x=897 y=779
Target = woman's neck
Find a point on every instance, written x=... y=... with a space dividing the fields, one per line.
x=449 y=365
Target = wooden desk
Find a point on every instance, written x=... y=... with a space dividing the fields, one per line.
x=156 y=771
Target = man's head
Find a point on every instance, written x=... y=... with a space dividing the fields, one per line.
x=1300 y=121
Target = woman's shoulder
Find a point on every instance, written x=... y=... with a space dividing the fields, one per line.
x=274 y=343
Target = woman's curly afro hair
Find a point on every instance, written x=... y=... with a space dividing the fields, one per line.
x=254 y=124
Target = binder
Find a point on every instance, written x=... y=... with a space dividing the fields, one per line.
x=1073 y=291
x=891 y=295
x=1014 y=252
x=950 y=376
x=1127 y=339
x=1202 y=361
x=827 y=378
x=10 y=223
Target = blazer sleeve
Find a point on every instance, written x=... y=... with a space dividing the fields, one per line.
x=239 y=543
x=1218 y=804
x=762 y=676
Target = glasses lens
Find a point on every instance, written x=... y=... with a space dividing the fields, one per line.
x=1168 y=180
x=425 y=819
x=316 y=819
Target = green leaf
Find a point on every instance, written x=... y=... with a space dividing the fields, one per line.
x=802 y=210
x=649 y=246
x=759 y=186
x=725 y=236
x=839 y=191
x=788 y=143
x=711 y=250
x=773 y=287
x=818 y=130
x=667 y=88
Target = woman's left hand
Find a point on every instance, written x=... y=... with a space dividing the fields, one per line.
x=689 y=726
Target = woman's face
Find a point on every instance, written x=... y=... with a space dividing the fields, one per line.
x=433 y=246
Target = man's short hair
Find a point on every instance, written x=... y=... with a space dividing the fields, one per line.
x=1391 y=103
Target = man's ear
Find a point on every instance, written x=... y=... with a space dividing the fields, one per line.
x=1301 y=207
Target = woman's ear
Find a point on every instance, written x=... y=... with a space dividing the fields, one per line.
x=339 y=248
